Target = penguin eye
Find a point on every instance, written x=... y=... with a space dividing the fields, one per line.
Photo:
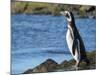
x=67 y=16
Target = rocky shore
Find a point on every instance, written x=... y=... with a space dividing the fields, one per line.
x=52 y=66
x=18 y=7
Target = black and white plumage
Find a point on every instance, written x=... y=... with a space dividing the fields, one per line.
x=74 y=40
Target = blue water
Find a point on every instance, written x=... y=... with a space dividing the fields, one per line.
x=36 y=38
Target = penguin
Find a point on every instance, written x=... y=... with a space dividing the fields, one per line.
x=74 y=40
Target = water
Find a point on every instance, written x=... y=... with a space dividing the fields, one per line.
x=36 y=38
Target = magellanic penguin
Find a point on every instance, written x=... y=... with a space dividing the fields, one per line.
x=74 y=40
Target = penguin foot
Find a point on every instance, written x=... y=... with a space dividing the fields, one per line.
x=75 y=67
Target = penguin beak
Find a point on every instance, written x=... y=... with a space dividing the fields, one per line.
x=62 y=13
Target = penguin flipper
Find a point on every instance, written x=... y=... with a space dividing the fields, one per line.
x=76 y=46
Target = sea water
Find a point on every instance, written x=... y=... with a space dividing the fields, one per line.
x=35 y=38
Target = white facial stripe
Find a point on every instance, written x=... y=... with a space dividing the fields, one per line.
x=68 y=18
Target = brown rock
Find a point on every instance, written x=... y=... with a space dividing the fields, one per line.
x=50 y=65
x=64 y=63
x=47 y=66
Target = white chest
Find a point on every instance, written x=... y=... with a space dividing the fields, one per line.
x=69 y=39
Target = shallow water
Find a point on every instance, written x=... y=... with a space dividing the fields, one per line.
x=36 y=38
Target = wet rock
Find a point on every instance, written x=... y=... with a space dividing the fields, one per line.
x=64 y=64
x=51 y=66
x=48 y=66
x=28 y=71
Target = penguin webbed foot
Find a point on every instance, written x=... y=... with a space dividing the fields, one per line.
x=75 y=67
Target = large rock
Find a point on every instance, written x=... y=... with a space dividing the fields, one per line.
x=64 y=64
x=47 y=66
x=51 y=66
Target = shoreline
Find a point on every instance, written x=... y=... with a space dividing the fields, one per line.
x=52 y=66
x=76 y=16
x=52 y=9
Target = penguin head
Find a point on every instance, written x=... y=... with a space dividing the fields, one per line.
x=69 y=16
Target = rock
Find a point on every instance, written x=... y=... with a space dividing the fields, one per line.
x=28 y=71
x=41 y=68
x=51 y=66
x=64 y=64
x=47 y=66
